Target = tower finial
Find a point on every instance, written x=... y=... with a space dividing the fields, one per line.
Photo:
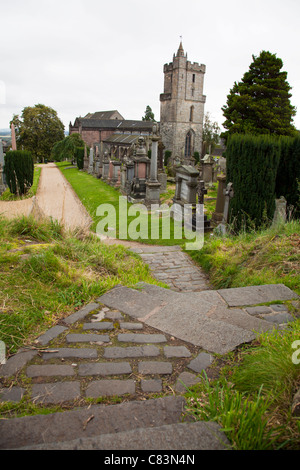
x=180 y=52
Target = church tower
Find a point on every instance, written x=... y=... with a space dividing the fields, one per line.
x=182 y=106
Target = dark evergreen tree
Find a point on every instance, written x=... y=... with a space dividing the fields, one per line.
x=288 y=175
x=149 y=115
x=260 y=102
x=252 y=164
x=19 y=170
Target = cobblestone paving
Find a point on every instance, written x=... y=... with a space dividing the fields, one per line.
x=173 y=267
x=100 y=352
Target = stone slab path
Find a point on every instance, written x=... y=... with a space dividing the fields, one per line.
x=132 y=344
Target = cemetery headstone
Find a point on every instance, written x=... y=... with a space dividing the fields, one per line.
x=153 y=185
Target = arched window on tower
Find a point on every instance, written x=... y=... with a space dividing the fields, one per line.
x=189 y=144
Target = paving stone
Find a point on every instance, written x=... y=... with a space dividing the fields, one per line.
x=238 y=317
x=176 y=351
x=49 y=370
x=258 y=310
x=102 y=368
x=278 y=318
x=55 y=392
x=51 y=334
x=16 y=363
x=131 y=326
x=110 y=388
x=80 y=314
x=57 y=427
x=141 y=338
x=114 y=315
x=252 y=295
x=198 y=436
x=189 y=323
x=279 y=308
x=155 y=367
x=87 y=338
x=130 y=301
x=151 y=385
x=186 y=380
x=14 y=394
x=135 y=351
x=80 y=353
x=98 y=326
x=201 y=362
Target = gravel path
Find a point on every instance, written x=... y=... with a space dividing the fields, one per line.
x=56 y=199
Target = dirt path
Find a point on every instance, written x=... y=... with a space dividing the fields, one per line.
x=56 y=199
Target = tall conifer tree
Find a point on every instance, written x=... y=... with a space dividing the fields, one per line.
x=260 y=102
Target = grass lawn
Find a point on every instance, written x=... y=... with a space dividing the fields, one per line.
x=94 y=192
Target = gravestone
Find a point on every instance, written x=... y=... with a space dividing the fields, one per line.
x=13 y=137
x=152 y=184
x=3 y=184
x=105 y=166
x=186 y=190
x=229 y=193
x=207 y=164
x=141 y=172
x=217 y=215
x=91 y=162
x=85 y=160
x=280 y=212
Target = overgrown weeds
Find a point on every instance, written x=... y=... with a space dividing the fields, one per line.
x=46 y=273
x=269 y=256
x=251 y=400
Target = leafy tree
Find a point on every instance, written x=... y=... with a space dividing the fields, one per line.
x=260 y=102
x=65 y=149
x=149 y=116
x=211 y=132
x=37 y=130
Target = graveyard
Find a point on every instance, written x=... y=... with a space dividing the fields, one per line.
x=60 y=276
x=149 y=297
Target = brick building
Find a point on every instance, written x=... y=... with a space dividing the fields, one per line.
x=111 y=129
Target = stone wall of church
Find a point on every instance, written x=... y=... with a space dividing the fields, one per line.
x=182 y=104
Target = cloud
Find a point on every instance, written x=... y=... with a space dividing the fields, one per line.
x=85 y=56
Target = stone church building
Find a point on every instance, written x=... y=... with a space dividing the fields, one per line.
x=181 y=115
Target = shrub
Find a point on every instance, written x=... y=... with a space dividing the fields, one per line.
x=288 y=175
x=79 y=156
x=19 y=170
x=252 y=163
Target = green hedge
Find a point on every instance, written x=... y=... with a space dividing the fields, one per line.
x=19 y=170
x=288 y=174
x=79 y=157
x=252 y=164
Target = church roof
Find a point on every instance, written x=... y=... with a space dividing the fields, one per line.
x=90 y=123
x=104 y=115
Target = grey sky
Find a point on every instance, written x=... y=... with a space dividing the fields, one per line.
x=86 y=56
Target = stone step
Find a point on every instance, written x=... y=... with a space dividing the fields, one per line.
x=89 y=422
x=182 y=436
